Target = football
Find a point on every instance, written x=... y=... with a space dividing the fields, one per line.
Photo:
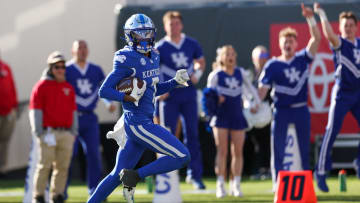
x=126 y=85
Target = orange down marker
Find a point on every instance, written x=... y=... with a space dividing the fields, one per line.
x=295 y=187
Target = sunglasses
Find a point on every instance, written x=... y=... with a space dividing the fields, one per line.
x=59 y=67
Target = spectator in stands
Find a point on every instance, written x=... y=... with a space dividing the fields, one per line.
x=53 y=120
x=227 y=79
x=8 y=107
x=178 y=51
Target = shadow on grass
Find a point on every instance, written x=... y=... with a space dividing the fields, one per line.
x=11 y=184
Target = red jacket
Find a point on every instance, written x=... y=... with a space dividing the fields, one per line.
x=8 y=98
x=56 y=100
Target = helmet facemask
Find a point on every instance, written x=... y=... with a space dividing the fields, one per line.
x=142 y=40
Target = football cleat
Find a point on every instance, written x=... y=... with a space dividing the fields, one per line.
x=129 y=177
x=128 y=193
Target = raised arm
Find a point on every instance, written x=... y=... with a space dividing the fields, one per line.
x=314 y=41
x=326 y=27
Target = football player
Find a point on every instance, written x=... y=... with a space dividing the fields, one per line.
x=139 y=59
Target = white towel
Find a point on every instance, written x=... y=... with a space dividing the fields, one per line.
x=118 y=134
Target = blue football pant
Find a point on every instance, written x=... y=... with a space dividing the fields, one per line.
x=300 y=117
x=341 y=103
x=139 y=138
x=89 y=138
x=170 y=112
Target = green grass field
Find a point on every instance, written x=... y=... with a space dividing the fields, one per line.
x=254 y=191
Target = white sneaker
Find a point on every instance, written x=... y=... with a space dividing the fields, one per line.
x=231 y=184
x=237 y=189
x=128 y=193
x=188 y=179
x=220 y=189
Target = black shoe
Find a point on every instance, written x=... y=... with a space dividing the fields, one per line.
x=129 y=177
x=321 y=182
x=39 y=199
x=58 y=199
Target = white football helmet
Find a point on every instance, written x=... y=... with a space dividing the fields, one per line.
x=140 y=33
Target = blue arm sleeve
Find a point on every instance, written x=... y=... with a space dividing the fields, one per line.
x=163 y=87
x=107 y=89
x=101 y=79
x=266 y=76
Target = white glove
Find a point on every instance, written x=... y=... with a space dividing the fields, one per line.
x=182 y=77
x=137 y=92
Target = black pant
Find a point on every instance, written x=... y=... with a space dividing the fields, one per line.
x=257 y=149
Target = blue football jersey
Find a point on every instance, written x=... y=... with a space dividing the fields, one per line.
x=228 y=86
x=146 y=69
x=178 y=56
x=86 y=82
x=347 y=64
x=288 y=79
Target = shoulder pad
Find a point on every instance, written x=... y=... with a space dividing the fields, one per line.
x=155 y=51
x=125 y=57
